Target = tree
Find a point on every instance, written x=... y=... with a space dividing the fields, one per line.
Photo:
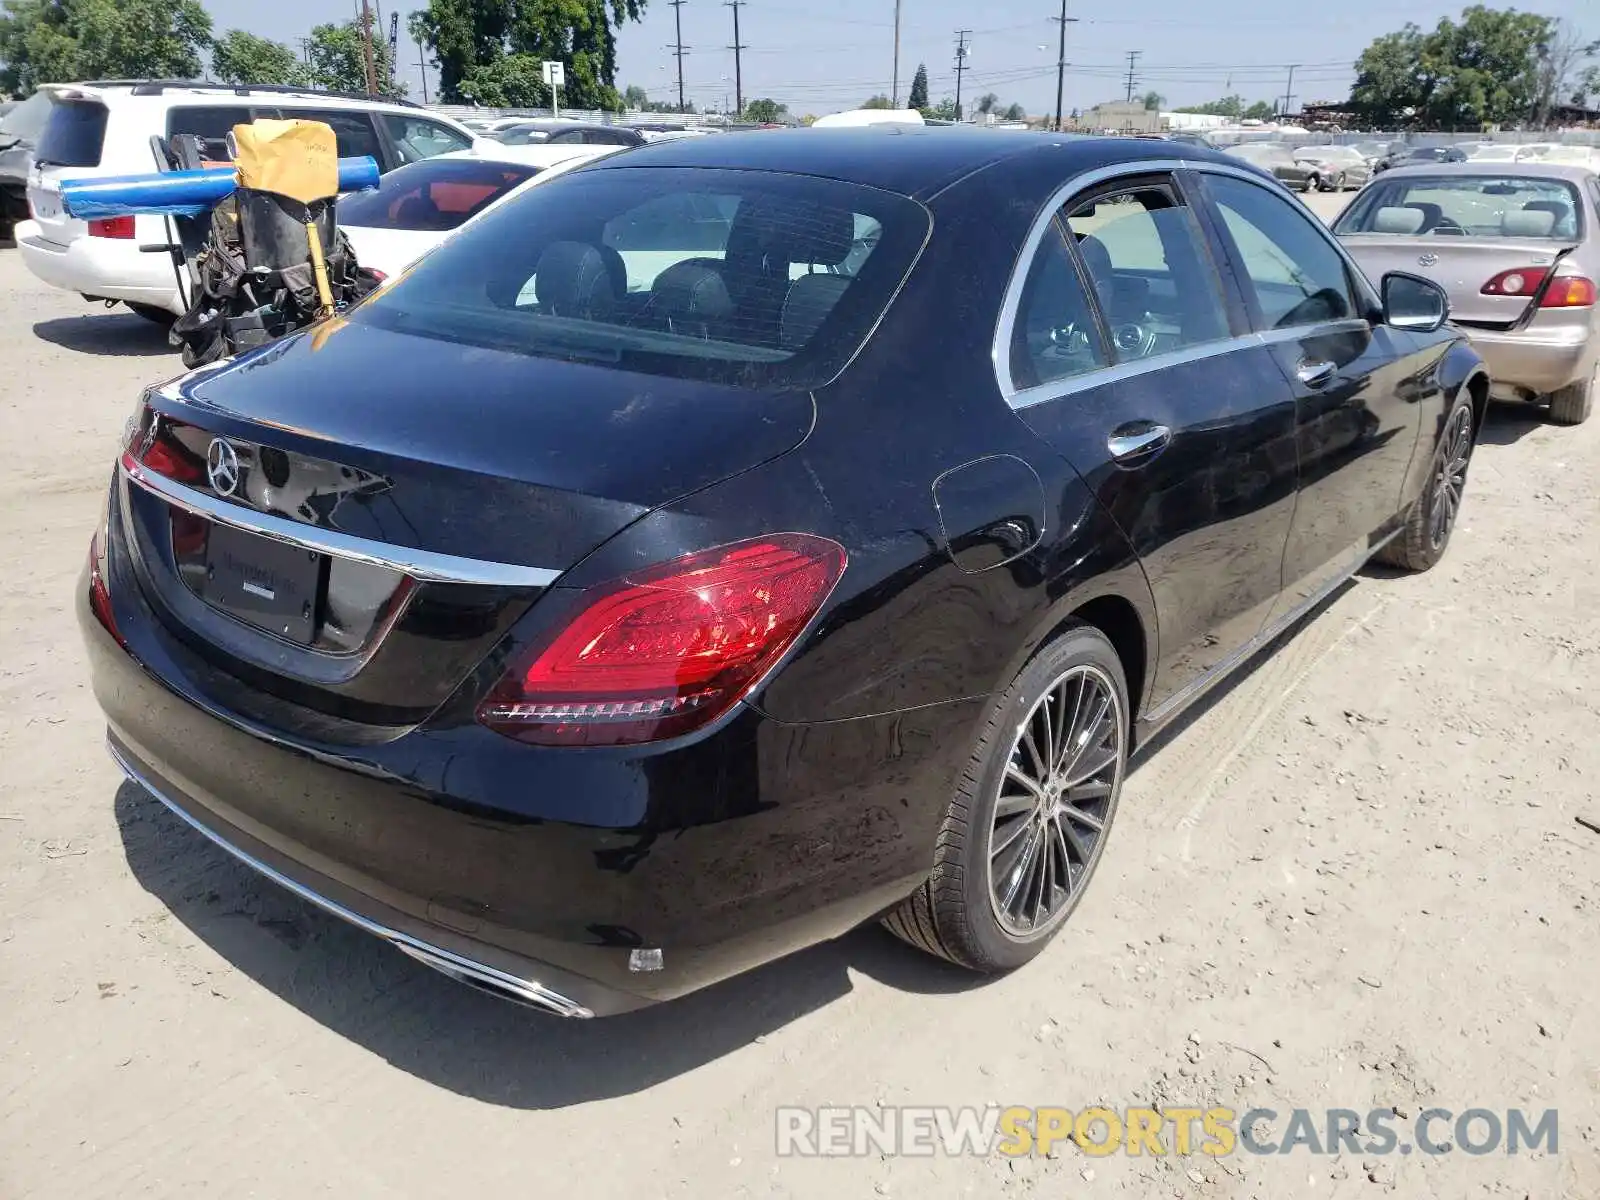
x=468 y=38
x=1261 y=110
x=987 y=103
x=1484 y=70
x=919 y=88
x=57 y=41
x=1231 y=107
x=945 y=110
x=240 y=57
x=765 y=112
x=1015 y=113
x=1153 y=101
x=634 y=97
x=510 y=81
x=1561 y=78
x=339 y=61
x=878 y=101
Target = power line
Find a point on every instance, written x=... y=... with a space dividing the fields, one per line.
x=961 y=64
x=738 y=48
x=1061 y=61
x=678 y=48
x=1133 y=59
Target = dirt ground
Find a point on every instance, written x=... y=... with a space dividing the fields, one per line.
x=1355 y=880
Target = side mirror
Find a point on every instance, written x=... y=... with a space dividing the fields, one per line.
x=1413 y=303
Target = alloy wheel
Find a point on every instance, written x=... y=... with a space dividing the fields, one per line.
x=1450 y=477
x=1055 y=801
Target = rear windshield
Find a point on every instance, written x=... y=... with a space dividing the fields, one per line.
x=744 y=277
x=435 y=195
x=27 y=120
x=1480 y=206
x=74 y=134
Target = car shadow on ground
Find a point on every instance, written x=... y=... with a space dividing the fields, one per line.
x=108 y=334
x=1507 y=424
x=460 y=1039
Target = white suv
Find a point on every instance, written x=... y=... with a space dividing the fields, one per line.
x=106 y=129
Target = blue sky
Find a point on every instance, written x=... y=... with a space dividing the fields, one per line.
x=823 y=55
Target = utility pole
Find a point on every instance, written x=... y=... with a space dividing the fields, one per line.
x=394 y=45
x=305 y=49
x=894 y=90
x=738 y=73
x=1133 y=59
x=422 y=69
x=366 y=48
x=1061 y=62
x=961 y=64
x=1288 y=95
x=679 y=49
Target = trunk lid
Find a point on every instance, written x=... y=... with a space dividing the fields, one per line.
x=1460 y=265
x=430 y=490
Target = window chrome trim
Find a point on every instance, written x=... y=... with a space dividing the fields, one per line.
x=1000 y=350
x=425 y=565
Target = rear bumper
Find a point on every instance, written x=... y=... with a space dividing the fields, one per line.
x=1527 y=363
x=535 y=873
x=115 y=270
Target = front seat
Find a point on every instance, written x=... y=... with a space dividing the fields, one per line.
x=574 y=280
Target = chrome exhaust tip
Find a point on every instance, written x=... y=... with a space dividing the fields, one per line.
x=525 y=992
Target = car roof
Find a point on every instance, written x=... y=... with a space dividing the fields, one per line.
x=162 y=94
x=914 y=161
x=1526 y=168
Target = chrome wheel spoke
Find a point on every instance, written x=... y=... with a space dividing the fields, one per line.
x=1082 y=817
x=1016 y=775
x=1022 y=872
x=1007 y=837
x=1015 y=805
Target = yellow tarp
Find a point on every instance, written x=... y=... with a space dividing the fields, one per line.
x=298 y=159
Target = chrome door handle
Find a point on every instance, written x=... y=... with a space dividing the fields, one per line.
x=1314 y=372
x=1138 y=441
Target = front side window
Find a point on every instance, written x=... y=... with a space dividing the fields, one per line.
x=417 y=138
x=1296 y=277
x=1144 y=257
x=752 y=278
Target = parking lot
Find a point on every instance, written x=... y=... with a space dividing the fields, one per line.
x=1357 y=879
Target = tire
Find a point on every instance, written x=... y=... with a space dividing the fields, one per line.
x=156 y=316
x=956 y=913
x=1425 y=536
x=1573 y=403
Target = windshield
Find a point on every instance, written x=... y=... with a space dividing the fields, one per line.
x=1467 y=206
x=436 y=195
x=26 y=121
x=745 y=277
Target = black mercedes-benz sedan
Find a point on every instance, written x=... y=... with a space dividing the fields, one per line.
x=745 y=538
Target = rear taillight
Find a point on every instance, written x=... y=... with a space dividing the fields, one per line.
x=99 y=587
x=670 y=649
x=1523 y=281
x=1568 y=291
x=120 y=228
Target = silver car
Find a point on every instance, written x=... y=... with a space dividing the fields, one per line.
x=1337 y=167
x=1517 y=247
x=1276 y=159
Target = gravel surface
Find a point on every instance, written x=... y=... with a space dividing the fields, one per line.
x=1356 y=879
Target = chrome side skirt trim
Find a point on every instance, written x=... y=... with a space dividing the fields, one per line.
x=1196 y=688
x=418 y=564
x=463 y=970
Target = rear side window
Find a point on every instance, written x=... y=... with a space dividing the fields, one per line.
x=1055 y=335
x=74 y=135
x=211 y=124
x=352 y=129
x=745 y=277
x=437 y=195
x=1296 y=276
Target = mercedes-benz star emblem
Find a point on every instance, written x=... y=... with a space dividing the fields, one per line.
x=1427 y=260
x=222 y=467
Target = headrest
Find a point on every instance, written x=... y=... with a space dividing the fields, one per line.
x=692 y=291
x=811 y=298
x=796 y=232
x=1398 y=220
x=574 y=280
x=1537 y=223
x=1096 y=257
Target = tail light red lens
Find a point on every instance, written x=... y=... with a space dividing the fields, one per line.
x=1569 y=291
x=1523 y=281
x=99 y=588
x=120 y=228
x=668 y=650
